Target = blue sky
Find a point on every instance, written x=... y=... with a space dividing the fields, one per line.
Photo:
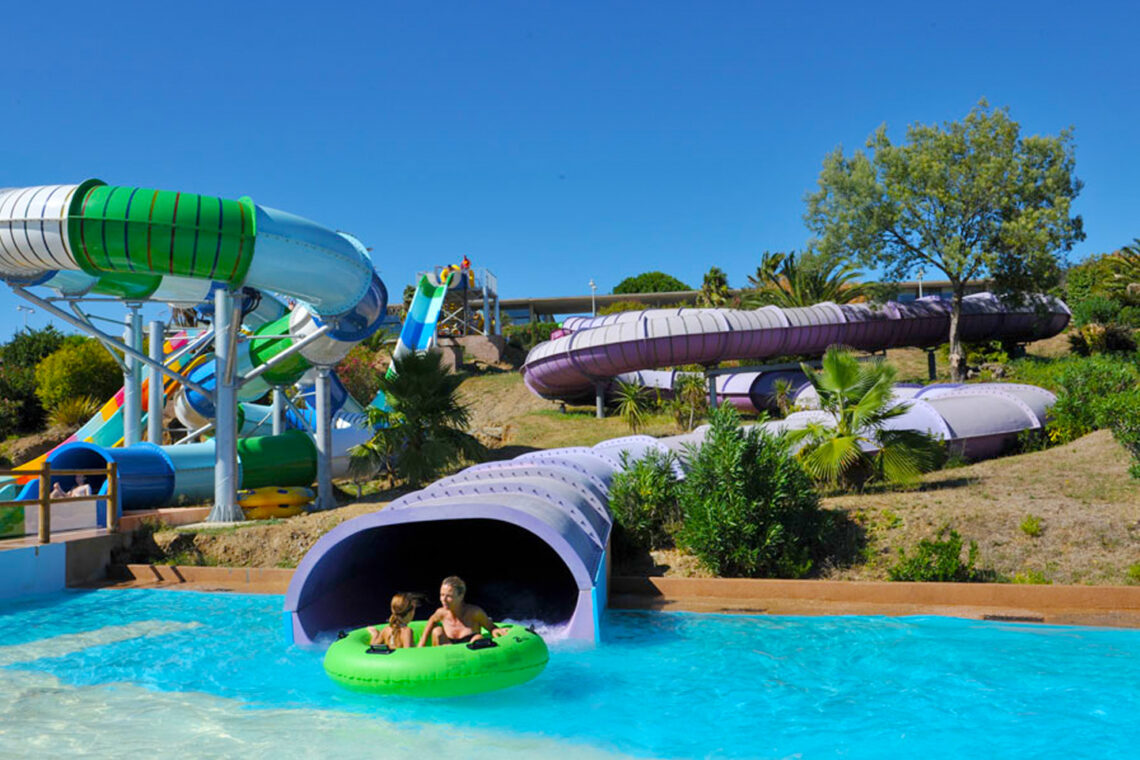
x=551 y=142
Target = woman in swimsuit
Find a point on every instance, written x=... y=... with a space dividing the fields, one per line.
x=397 y=634
x=456 y=622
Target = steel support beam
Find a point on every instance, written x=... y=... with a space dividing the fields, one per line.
x=154 y=396
x=325 y=498
x=132 y=379
x=226 y=508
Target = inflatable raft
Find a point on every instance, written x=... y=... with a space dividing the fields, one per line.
x=444 y=671
x=268 y=502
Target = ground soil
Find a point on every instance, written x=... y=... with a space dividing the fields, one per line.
x=1087 y=506
x=26 y=448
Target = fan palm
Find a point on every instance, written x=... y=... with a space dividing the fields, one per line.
x=857 y=396
x=632 y=403
x=714 y=290
x=424 y=429
x=788 y=280
x=1125 y=266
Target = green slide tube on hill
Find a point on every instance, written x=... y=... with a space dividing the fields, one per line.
x=289 y=459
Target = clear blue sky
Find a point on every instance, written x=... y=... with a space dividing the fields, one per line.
x=553 y=142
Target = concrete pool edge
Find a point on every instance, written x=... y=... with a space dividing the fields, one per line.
x=1114 y=606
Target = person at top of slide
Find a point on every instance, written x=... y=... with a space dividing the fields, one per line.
x=457 y=622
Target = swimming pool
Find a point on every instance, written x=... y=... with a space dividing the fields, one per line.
x=185 y=674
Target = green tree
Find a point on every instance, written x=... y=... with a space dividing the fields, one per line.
x=424 y=431
x=29 y=347
x=650 y=282
x=78 y=368
x=619 y=306
x=789 y=280
x=971 y=199
x=714 y=290
x=857 y=397
x=1125 y=268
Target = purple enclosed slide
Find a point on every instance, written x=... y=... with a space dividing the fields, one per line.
x=570 y=367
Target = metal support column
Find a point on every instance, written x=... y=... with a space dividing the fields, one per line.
x=600 y=400
x=132 y=379
x=154 y=396
x=486 y=308
x=931 y=369
x=324 y=441
x=225 y=508
x=278 y=410
x=712 y=390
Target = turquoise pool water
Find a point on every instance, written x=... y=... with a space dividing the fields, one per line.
x=183 y=674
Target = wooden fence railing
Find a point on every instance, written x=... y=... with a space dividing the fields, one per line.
x=46 y=473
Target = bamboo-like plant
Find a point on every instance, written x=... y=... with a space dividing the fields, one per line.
x=632 y=403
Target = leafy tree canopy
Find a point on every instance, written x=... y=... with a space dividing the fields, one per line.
x=28 y=347
x=973 y=198
x=650 y=282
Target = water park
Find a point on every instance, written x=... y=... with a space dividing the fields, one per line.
x=575 y=382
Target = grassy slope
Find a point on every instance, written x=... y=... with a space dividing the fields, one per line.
x=1088 y=506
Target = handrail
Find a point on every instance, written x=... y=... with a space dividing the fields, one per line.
x=45 y=499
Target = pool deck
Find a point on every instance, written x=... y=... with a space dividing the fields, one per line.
x=1111 y=606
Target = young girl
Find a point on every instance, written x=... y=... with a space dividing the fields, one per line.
x=397 y=634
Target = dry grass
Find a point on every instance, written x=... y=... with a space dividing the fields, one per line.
x=1088 y=506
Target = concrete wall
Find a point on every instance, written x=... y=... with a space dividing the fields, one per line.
x=33 y=570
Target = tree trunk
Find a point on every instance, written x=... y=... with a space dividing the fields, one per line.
x=957 y=353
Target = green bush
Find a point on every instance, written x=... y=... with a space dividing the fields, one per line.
x=75 y=370
x=1031 y=526
x=1122 y=415
x=1085 y=386
x=750 y=509
x=1097 y=338
x=1095 y=309
x=937 y=560
x=73 y=411
x=644 y=499
x=651 y=282
x=1134 y=572
x=1129 y=316
x=1088 y=279
x=1032 y=577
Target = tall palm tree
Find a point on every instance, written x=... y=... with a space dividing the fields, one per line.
x=424 y=429
x=857 y=396
x=791 y=280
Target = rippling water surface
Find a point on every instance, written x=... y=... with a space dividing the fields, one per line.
x=184 y=674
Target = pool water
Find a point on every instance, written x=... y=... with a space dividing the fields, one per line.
x=184 y=674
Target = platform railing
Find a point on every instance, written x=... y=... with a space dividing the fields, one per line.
x=45 y=500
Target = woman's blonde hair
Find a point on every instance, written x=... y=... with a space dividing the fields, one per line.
x=456 y=583
x=401 y=604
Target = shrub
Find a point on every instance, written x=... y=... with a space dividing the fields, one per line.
x=937 y=560
x=361 y=371
x=529 y=335
x=73 y=411
x=1032 y=577
x=690 y=402
x=749 y=507
x=1122 y=414
x=1095 y=309
x=1031 y=526
x=644 y=499
x=1097 y=338
x=1084 y=387
x=1134 y=572
x=75 y=370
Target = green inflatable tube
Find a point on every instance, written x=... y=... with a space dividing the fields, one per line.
x=446 y=671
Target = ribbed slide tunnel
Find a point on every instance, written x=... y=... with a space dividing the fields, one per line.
x=528 y=536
